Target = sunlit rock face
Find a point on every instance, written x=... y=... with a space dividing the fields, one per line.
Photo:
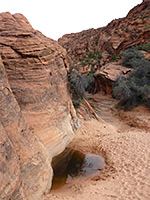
x=37 y=117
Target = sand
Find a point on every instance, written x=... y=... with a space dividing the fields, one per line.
x=126 y=148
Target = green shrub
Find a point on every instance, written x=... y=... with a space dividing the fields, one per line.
x=78 y=84
x=144 y=47
x=114 y=58
x=99 y=55
x=77 y=102
x=92 y=55
x=90 y=82
x=135 y=88
x=147 y=27
x=91 y=58
x=131 y=57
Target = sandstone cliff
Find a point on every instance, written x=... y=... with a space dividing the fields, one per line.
x=86 y=46
x=25 y=171
x=34 y=103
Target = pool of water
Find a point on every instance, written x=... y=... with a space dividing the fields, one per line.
x=74 y=164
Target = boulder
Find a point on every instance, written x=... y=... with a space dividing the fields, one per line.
x=108 y=74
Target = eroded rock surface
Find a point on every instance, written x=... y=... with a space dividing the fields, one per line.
x=109 y=41
x=108 y=74
x=36 y=71
x=34 y=103
x=25 y=171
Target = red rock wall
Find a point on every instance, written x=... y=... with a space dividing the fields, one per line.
x=110 y=40
x=24 y=166
x=37 y=102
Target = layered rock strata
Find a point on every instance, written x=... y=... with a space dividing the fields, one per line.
x=25 y=171
x=109 y=41
x=37 y=117
x=108 y=74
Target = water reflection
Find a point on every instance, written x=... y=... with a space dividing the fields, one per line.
x=73 y=163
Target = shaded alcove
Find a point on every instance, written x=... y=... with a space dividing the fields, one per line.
x=72 y=164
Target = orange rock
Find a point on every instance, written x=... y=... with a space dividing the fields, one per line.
x=36 y=109
x=109 y=74
x=25 y=171
x=118 y=35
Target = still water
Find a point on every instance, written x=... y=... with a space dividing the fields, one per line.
x=72 y=164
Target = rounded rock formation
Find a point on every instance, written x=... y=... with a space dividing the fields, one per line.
x=37 y=117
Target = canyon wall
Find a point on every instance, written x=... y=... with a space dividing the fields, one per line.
x=96 y=47
x=92 y=50
x=37 y=117
x=25 y=171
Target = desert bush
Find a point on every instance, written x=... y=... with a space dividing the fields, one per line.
x=90 y=82
x=144 y=47
x=91 y=59
x=78 y=83
x=77 y=102
x=134 y=89
x=114 y=58
x=131 y=57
